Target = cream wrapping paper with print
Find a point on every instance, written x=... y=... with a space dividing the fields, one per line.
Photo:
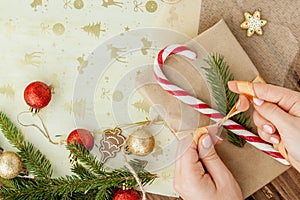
x=61 y=42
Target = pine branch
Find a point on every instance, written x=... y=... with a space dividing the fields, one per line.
x=68 y=185
x=81 y=171
x=8 y=182
x=83 y=155
x=104 y=193
x=35 y=161
x=32 y=158
x=218 y=76
x=15 y=183
x=11 y=132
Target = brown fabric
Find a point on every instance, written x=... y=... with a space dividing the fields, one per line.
x=276 y=54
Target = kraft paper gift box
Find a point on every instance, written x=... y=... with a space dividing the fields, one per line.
x=252 y=168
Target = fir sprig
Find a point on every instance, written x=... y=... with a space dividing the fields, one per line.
x=83 y=155
x=66 y=186
x=11 y=132
x=218 y=75
x=33 y=159
x=81 y=171
x=90 y=180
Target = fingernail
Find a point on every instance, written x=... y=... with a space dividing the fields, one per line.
x=219 y=138
x=232 y=85
x=274 y=140
x=257 y=101
x=238 y=103
x=268 y=129
x=207 y=142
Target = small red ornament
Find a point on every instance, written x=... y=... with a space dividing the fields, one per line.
x=126 y=195
x=83 y=137
x=37 y=95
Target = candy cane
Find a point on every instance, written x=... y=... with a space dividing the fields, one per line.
x=202 y=107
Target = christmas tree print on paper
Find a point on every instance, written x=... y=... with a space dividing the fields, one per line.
x=146 y=45
x=94 y=29
x=8 y=91
x=82 y=64
x=142 y=106
x=108 y=3
x=78 y=107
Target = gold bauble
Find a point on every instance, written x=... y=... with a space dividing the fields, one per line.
x=10 y=165
x=140 y=142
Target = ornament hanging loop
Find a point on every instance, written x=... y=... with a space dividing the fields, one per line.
x=42 y=129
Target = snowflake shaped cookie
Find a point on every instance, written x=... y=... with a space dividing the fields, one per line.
x=253 y=23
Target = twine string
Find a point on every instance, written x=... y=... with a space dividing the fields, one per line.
x=136 y=177
x=42 y=129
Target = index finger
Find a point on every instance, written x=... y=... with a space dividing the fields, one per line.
x=283 y=97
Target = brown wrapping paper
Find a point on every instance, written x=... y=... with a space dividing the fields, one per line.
x=251 y=168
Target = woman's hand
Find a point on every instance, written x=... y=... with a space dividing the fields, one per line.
x=276 y=115
x=201 y=174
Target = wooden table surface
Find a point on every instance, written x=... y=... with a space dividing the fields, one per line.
x=276 y=55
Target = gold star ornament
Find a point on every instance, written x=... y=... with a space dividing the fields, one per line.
x=253 y=23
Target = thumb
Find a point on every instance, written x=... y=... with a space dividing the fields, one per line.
x=212 y=162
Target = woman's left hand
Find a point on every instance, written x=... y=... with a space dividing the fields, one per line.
x=193 y=182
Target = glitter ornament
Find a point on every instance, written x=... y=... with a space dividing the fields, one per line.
x=253 y=23
x=83 y=137
x=140 y=142
x=37 y=95
x=10 y=165
x=126 y=195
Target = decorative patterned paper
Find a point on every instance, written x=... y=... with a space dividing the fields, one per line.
x=60 y=41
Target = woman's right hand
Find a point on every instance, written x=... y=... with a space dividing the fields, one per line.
x=276 y=115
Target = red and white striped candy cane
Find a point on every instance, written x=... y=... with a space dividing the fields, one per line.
x=202 y=107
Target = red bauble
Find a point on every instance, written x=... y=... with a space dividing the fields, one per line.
x=82 y=136
x=126 y=195
x=37 y=95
